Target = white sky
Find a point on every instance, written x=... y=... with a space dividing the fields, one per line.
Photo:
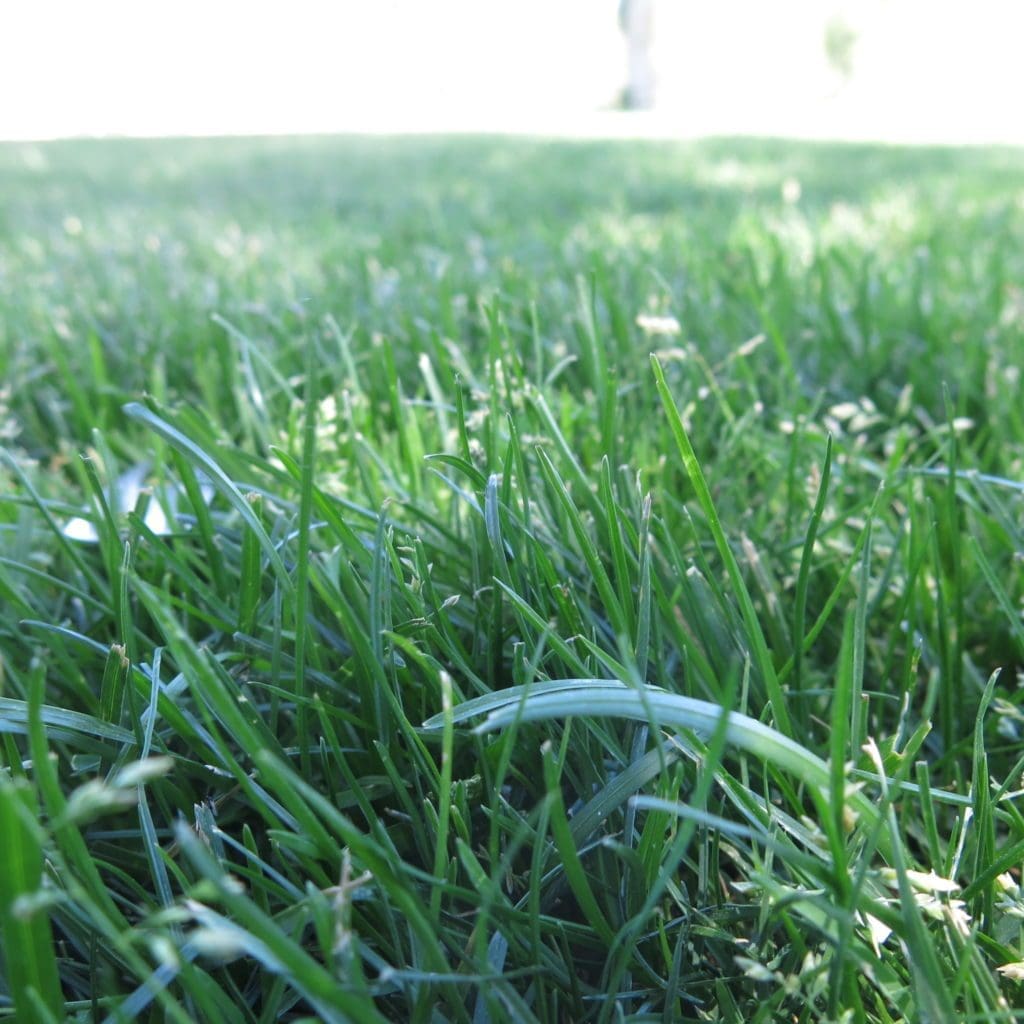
x=943 y=70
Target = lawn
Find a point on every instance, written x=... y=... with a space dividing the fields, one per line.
x=587 y=584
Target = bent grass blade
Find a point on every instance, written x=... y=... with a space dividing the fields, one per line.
x=608 y=698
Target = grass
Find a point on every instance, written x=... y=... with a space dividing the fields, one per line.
x=593 y=594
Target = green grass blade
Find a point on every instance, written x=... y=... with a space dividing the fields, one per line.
x=800 y=602
x=761 y=655
x=29 y=958
x=191 y=451
x=610 y=698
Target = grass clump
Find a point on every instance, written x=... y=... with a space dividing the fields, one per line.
x=476 y=666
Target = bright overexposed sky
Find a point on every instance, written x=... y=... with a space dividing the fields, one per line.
x=940 y=70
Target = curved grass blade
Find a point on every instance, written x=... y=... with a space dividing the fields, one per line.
x=69 y=726
x=191 y=451
x=609 y=698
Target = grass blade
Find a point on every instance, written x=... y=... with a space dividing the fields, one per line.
x=30 y=961
x=761 y=655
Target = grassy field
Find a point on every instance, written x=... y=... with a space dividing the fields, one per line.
x=594 y=592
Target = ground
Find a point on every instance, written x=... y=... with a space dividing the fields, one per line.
x=592 y=591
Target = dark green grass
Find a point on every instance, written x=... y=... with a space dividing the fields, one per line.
x=740 y=628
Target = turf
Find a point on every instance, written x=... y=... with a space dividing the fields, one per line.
x=593 y=591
